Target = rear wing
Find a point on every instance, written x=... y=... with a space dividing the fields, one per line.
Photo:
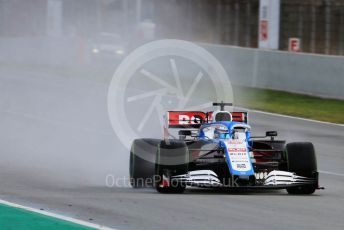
x=194 y=119
x=186 y=119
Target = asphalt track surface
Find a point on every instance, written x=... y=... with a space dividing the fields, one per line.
x=57 y=147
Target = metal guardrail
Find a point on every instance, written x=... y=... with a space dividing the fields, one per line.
x=319 y=75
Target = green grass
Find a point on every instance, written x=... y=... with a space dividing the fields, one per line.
x=330 y=110
x=20 y=219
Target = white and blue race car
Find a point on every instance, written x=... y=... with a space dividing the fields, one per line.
x=216 y=150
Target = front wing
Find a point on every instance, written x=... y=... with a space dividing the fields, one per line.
x=275 y=180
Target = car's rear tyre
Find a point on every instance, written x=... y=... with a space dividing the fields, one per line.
x=302 y=160
x=142 y=162
x=172 y=159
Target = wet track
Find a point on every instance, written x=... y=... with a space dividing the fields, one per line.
x=57 y=147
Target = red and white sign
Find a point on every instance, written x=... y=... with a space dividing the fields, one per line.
x=294 y=45
x=263 y=30
x=269 y=24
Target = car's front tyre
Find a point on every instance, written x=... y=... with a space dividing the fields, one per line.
x=302 y=161
x=142 y=162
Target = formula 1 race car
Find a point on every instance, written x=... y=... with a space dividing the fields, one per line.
x=216 y=150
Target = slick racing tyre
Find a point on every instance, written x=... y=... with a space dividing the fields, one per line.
x=172 y=159
x=142 y=162
x=302 y=161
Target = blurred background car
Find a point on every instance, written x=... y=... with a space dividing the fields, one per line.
x=107 y=46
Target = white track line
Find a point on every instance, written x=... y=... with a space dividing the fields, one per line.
x=331 y=173
x=299 y=118
x=303 y=119
x=291 y=117
x=57 y=216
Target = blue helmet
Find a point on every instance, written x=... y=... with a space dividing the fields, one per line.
x=221 y=133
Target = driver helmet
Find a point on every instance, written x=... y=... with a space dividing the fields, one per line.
x=221 y=132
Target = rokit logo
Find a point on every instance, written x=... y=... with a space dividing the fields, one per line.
x=237 y=150
x=180 y=119
x=185 y=119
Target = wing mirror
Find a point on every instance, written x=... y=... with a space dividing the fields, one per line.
x=271 y=134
